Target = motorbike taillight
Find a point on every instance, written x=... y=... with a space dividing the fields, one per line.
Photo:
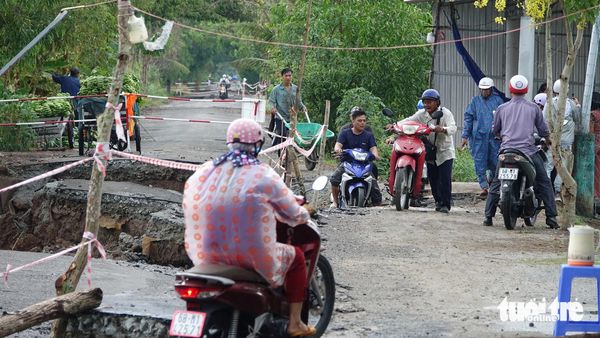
x=195 y=292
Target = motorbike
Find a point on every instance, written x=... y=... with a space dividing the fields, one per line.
x=223 y=91
x=516 y=174
x=230 y=301
x=406 y=162
x=357 y=180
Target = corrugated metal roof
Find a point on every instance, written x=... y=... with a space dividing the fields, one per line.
x=453 y=80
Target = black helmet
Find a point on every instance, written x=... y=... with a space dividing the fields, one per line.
x=74 y=71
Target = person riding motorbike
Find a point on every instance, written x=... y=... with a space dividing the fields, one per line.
x=515 y=123
x=350 y=138
x=231 y=205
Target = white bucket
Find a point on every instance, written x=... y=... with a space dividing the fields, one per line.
x=582 y=246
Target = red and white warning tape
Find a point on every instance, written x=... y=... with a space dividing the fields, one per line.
x=92 y=240
x=157 y=118
x=171 y=98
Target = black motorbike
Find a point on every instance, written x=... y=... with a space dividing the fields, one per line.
x=517 y=173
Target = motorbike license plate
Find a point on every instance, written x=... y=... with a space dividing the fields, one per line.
x=187 y=323
x=508 y=173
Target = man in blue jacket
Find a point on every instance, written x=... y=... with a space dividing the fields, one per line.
x=68 y=84
x=477 y=131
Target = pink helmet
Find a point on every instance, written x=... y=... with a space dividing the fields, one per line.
x=244 y=131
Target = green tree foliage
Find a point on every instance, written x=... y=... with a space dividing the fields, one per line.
x=396 y=76
x=85 y=38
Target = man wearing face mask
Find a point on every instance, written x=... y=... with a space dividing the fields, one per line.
x=439 y=167
x=477 y=132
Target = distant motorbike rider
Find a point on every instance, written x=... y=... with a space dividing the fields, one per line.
x=515 y=123
x=224 y=80
x=352 y=138
x=477 y=131
x=231 y=206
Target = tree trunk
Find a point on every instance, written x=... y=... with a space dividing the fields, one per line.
x=563 y=158
x=68 y=281
x=50 y=309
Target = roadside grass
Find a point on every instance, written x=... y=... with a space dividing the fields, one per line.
x=463 y=169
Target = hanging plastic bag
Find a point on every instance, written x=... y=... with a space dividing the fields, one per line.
x=161 y=41
x=136 y=29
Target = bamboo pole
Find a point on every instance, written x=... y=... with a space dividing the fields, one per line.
x=68 y=281
x=322 y=148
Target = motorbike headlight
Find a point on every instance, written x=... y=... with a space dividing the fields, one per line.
x=397 y=147
x=409 y=129
x=418 y=151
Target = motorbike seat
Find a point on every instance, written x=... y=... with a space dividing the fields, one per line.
x=528 y=167
x=516 y=151
x=235 y=273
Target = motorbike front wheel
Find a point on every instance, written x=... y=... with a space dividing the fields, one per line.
x=320 y=312
x=358 y=198
x=402 y=188
x=508 y=205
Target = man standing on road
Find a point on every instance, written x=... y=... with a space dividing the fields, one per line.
x=477 y=131
x=443 y=127
x=567 y=136
x=515 y=123
x=281 y=103
x=352 y=138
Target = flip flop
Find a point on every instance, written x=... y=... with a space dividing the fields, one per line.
x=308 y=332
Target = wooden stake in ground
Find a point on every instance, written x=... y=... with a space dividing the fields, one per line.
x=322 y=148
x=61 y=306
x=68 y=281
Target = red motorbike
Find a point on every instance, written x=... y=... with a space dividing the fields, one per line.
x=230 y=301
x=407 y=161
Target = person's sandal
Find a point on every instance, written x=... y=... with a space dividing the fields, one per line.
x=308 y=332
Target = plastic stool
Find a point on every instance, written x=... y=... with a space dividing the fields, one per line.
x=567 y=274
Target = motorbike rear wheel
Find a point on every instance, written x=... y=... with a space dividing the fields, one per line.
x=508 y=207
x=322 y=279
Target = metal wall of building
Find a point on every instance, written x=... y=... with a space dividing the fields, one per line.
x=452 y=79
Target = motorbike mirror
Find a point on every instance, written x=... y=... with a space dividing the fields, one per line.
x=437 y=114
x=320 y=183
x=388 y=112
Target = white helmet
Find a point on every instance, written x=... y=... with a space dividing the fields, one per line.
x=540 y=99
x=556 y=86
x=486 y=83
x=224 y=75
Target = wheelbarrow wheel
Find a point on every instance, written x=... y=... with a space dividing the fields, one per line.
x=311 y=161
